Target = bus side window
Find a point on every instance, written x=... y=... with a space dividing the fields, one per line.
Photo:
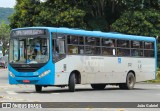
x=58 y=47
x=72 y=49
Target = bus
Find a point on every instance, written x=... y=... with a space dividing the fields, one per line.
x=50 y=56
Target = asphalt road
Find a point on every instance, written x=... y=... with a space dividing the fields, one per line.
x=143 y=92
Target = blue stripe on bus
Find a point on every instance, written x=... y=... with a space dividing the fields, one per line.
x=94 y=33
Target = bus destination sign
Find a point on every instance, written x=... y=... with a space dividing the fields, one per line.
x=28 y=32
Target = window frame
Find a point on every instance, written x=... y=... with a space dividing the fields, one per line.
x=84 y=45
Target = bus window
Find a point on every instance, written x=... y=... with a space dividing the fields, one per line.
x=15 y=48
x=149 y=53
x=93 y=41
x=72 y=49
x=136 y=44
x=81 y=40
x=123 y=43
x=148 y=45
x=81 y=50
x=123 y=52
x=108 y=42
x=58 y=47
x=108 y=51
x=136 y=52
x=92 y=50
x=71 y=39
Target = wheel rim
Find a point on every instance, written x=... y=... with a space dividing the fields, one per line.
x=131 y=81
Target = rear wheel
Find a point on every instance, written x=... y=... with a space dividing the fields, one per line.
x=38 y=88
x=72 y=82
x=130 y=82
x=98 y=86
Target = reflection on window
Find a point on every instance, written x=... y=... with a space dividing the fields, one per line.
x=123 y=52
x=136 y=44
x=123 y=43
x=135 y=52
x=29 y=50
x=72 y=49
x=149 y=45
x=92 y=41
x=60 y=46
x=75 y=49
x=108 y=51
x=15 y=49
x=81 y=49
x=72 y=39
x=108 y=42
x=148 y=53
x=93 y=50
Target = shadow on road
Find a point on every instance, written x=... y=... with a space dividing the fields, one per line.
x=46 y=91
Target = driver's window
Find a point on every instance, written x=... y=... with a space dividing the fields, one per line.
x=58 y=47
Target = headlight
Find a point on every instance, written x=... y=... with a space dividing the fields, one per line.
x=45 y=73
x=11 y=74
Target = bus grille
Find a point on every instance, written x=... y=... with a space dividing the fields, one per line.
x=26 y=69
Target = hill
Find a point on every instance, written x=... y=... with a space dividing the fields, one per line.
x=5 y=13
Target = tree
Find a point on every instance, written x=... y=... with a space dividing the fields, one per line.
x=25 y=10
x=4 y=35
x=145 y=22
x=57 y=13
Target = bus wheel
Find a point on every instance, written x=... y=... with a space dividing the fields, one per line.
x=72 y=83
x=98 y=86
x=38 y=88
x=130 y=81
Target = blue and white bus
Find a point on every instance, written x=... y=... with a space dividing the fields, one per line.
x=45 y=56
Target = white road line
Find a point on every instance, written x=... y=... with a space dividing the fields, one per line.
x=158 y=85
x=11 y=92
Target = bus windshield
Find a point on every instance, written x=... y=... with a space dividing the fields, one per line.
x=29 y=50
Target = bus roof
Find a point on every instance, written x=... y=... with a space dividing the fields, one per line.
x=82 y=32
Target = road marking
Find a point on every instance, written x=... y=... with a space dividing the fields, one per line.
x=11 y=92
x=158 y=85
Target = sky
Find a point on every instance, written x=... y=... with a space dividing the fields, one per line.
x=7 y=3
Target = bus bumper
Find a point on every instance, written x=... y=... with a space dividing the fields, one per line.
x=46 y=80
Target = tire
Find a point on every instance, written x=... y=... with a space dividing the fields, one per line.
x=98 y=86
x=130 y=82
x=72 y=83
x=38 y=88
x=122 y=86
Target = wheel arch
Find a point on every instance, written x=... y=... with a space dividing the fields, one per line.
x=77 y=75
x=133 y=73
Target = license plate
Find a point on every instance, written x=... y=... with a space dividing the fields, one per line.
x=26 y=81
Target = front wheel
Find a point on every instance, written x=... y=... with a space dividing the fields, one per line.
x=38 y=88
x=98 y=86
x=130 y=82
x=72 y=83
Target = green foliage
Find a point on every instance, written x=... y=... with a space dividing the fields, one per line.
x=4 y=35
x=5 y=13
x=91 y=14
x=50 y=13
x=145 y=22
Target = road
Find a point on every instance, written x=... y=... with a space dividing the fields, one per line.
x=143 y=92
